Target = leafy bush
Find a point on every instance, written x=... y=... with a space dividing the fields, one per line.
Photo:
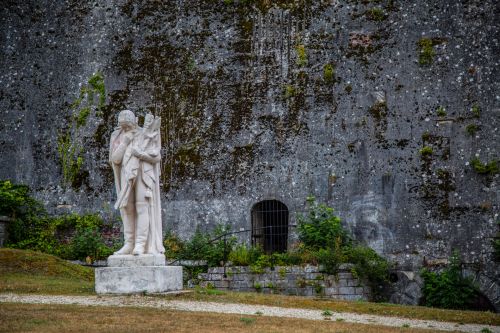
x=320 y=228
x=448 y=289
x=325 y=242
x=331 y=258
x=214 y=247
x=88 y=242
x=15 y=201
x=262 y=262
x=67 y=236
x=369 y=266
x=174 y=246
x=243 y=255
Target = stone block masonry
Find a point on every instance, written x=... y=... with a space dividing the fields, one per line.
x=287 y=280
x=128 y=274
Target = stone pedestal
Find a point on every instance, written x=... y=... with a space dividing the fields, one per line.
x=128 y=274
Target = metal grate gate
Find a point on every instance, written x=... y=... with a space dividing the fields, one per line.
x=270 y=226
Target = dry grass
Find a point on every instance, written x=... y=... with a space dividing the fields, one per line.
x=71 y=318
x=383 y=309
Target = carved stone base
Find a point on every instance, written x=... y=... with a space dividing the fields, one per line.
x=129 y=274
x=128 y=260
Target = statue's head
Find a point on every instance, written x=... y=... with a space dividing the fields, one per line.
x=127 y=120
x=148 y=121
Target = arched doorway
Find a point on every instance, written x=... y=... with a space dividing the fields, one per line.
x=270 y=226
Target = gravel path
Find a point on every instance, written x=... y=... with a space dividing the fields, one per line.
x=243 y=309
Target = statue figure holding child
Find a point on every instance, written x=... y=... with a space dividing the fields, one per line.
x=134 y=155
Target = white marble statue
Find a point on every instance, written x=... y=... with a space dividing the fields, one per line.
x=134 y=155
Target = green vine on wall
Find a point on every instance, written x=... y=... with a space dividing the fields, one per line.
x=71 y=157
x=69 y=145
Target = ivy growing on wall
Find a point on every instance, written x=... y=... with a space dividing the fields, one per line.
x=92 y=96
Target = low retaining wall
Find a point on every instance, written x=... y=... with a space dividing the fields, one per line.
x=288 y=280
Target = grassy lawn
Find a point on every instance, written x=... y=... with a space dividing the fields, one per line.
x=28 y=272
x=72 y=318
x=31 y=272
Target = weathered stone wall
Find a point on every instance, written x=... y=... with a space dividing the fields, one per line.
x=287 y=280
x=323 y=98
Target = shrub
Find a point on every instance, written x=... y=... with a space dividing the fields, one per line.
x=88 y=242
x=320 y=228
x=214 y=247
x=448 y=289
x=369 y=266
x=330 y=259
x=262 y=262
x=242 y=255
x=325 y=242
x=67 y=236
x=174 y=246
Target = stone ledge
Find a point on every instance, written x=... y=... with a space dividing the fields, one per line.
x=128 y=260
x=131 y=280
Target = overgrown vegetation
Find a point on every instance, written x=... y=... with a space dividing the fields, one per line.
x=301 y=55
x=489 y=168
x=70 y=147
x=289 y=91
x=325 y=240
x=71 y=156
x=329 y=73
x=322 y=241
x=476 y=111
x=426 y=151
x=441 y=111
x=427 y=53
x=471 y=129
x=448 y=289
x=213 y=247
x=66 y=236
x=376 y=14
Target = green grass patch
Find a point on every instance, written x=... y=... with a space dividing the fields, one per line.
x=24 y=271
